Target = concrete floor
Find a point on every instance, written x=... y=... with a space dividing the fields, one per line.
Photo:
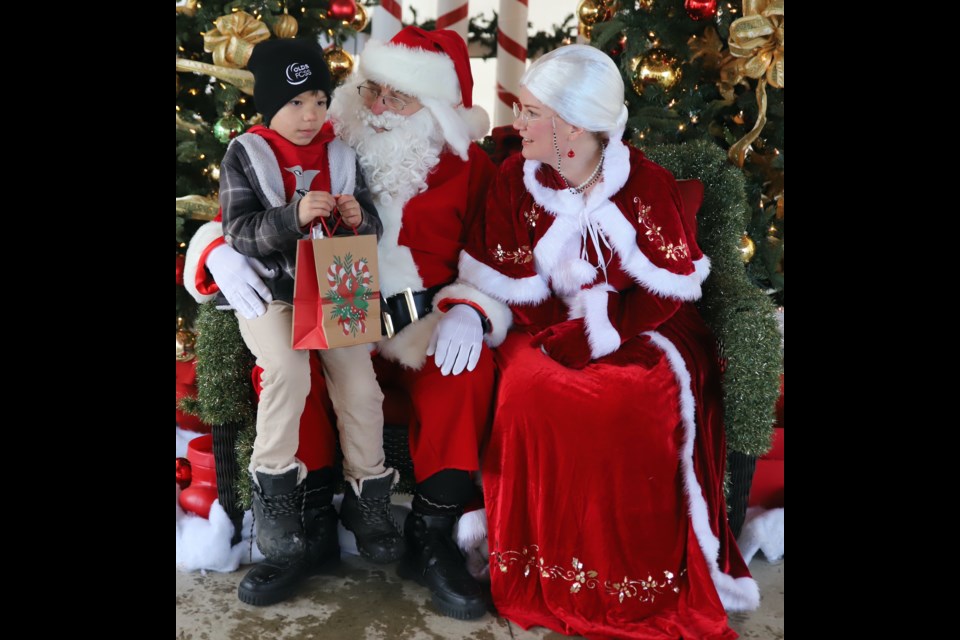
x=363 y=601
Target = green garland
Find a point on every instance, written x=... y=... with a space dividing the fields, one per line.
x=224 y=392
x=741 y=316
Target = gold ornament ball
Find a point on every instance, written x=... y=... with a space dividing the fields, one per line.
x=747 y=248
x=591 y=11
x=286 y=26
x=227 y=128
x=360 y=19
x=186 y=343
x=339 y=61
x=645 y=5
x=656 y=66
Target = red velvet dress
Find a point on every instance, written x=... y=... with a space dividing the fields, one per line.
x=603 y=492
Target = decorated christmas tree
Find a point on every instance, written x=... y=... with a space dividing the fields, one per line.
x=708 y=70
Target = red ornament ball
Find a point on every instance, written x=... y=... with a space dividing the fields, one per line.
x=342 y=9
x=700 y=9
x=618 y=46
x=184 y=473
x=181 y=263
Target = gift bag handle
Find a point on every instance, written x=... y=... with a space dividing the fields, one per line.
x=326 y=229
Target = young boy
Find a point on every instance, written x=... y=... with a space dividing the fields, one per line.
x=275 y=182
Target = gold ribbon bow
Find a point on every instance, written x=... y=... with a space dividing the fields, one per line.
x=240 y=78
x=197 y=207
x=231 y=42
x=188 y=9
x=757 y=37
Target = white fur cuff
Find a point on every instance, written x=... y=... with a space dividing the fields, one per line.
x=198 y=244
x=601 y=334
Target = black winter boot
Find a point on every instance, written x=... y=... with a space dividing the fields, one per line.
x=434 y=560
x=277 y=507
x=370 y=519
x=320 y=522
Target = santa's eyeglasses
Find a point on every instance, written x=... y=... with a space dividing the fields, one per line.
x=371 y=94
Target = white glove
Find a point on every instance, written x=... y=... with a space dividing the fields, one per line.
x=457 y=340
x=241 y=280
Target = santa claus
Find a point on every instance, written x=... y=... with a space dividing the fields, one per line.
x=408 y=113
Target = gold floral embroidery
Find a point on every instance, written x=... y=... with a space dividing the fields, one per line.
x=532 y=216
x=650 y=587
x=522 y=255
x=672 y=252
x=643 y=590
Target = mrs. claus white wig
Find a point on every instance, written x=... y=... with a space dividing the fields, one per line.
x=583 y=85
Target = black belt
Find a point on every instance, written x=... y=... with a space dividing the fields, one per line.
x=405 y=308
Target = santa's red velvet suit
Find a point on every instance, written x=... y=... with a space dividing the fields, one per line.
x=605 y=518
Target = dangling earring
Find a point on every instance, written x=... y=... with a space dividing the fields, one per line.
x=571 y=154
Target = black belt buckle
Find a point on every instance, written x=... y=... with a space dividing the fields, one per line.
x=411 y=309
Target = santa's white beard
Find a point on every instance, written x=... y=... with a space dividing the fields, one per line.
x=395 y=162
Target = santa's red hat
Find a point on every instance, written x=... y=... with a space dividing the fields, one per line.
x=434 y=67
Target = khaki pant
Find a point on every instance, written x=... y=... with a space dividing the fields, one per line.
x=285 y=383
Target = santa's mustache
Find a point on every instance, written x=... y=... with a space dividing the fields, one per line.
x=387 y=120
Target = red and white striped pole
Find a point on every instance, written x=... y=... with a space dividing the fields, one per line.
x=385 y=22
x=511 y=57
x=452 y=14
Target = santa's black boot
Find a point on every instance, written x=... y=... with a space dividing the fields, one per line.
x=277 y=510
x=369 y=517
x=320 y=521
x=434 y=560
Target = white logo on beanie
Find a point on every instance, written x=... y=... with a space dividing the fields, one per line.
x=298 y=73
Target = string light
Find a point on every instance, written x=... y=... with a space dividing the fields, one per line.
x=182 y=245
x=202 y=156
x=682 y=127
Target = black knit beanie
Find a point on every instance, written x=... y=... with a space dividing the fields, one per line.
x=283 y=69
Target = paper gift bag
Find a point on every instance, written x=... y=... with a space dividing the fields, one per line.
x=336 y=297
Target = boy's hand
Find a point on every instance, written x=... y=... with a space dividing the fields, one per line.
x=349 y=210
x=316 y=204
